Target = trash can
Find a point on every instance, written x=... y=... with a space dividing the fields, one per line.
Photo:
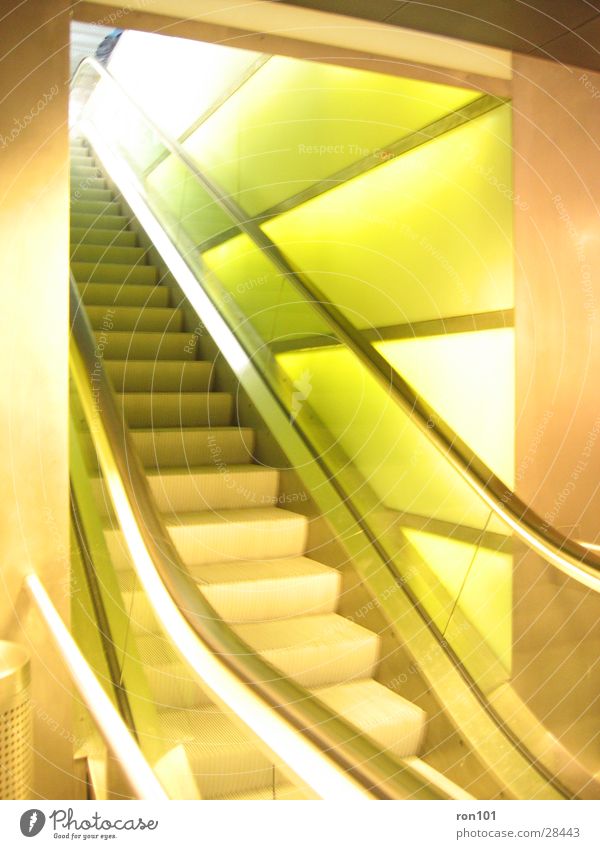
x=16 y=727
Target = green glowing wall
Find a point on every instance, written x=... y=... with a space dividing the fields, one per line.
x=427 y=235
x=293 y=124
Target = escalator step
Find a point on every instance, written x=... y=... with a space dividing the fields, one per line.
x=256 y=533
x=168 y=447
x=82 y=167
x=144 y=345
x=160 y=376
x=261 y=590
x=108 y=253
x=80 y=193
x=282 y=791
x=85 y=187
x=96 y=236
x=211 y=488
x=171 y=685
x=113 y=272
x=241 y=534
x=130 y=295
x=170 y=409
x=390 y=720
x=251 y=591
x=95 y=207
x=101 y=220
x=222 y=758
x=315 y=651
x=136 y=318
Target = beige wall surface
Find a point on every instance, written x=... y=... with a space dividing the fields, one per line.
x=557 y=242
x=34 y=224
x=557 y=277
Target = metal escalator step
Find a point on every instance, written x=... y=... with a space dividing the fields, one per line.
x=315 y=651
x=250 y=591
x=83 y=186
x=135 y=317
x=80 y=151
x=238 y=534
x=192 y=446
x=95 y=207
x=241 y=534
x=396 y=724
x=261 y=590
x=160 y=376
x=144 y=345
x=213 y=488
x=108 y=253
x=112 y=272
x=96 y=236
x=207 y=488
x=82 y=168
x=222 y=757
x=129 y=295
x=169 y=409
x=103 y=221
x=83 y=191
x=170 y=681
x=168 y=447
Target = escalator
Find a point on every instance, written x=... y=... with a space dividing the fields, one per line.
x=300 y=559
x=247 y=554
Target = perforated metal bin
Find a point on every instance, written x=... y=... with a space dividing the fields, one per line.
x=16 y=727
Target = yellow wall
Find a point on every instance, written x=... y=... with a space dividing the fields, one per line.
x=427 y=235
x=295 y=123
x=34 y=238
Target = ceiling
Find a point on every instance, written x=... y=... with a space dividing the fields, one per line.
x=564 y=30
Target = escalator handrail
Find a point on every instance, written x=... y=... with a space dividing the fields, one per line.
x=108 y=720
x=371 y=769
x=566 y=554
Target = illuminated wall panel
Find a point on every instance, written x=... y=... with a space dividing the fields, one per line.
x=402 y=467
x=269 y=302
x=468 y=378
x=295 y=123
x=480 y=578
x=189 y=206
x=427 y=235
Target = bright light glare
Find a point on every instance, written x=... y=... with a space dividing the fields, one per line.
x=175 y=80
